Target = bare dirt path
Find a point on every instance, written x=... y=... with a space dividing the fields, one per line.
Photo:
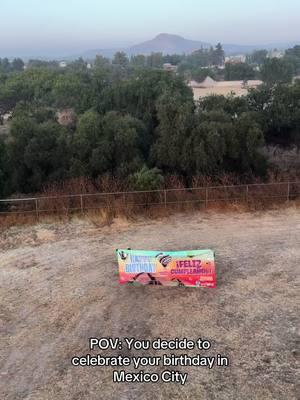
x=59 y=287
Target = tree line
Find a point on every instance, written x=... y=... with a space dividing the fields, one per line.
x=197 y=65
x=134 y=123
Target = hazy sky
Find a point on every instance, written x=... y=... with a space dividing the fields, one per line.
x=66 y=26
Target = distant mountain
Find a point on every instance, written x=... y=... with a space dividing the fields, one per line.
x=162 y=43
x=173 y=44
x=167 y=44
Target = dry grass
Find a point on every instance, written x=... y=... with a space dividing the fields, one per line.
x=59 y=287
x=105 y=199
x=107 y=216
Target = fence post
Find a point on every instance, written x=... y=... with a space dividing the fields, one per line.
x=165 y=198
x=37 y=209
x=288 y=191
x=206 y=197
x=81 y=204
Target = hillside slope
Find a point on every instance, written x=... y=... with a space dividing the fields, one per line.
x=59 y=286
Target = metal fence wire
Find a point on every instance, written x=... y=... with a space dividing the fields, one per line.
x=202 y=196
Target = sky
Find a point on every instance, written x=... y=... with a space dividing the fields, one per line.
x=62 y=27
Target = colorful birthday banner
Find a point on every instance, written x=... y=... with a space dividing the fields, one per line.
x=193 y=268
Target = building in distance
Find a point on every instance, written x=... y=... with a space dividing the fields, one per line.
x=240 y=58
x=211 y=87
x=169 y=67
x=275 y=54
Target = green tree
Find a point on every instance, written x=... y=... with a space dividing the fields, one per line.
x=87 y=136
x=5 y=66
x=204 y=150
x=155 y=60
x=73 y=90
x=138 y=61
x=199 y=58
x=231 y=105
x=294 y=51
x=237 y=72
x=3 y=168
x=175 y=119
x=17 y=64
x=147 y=179
x=282 y=116
x=117 y=152
x=101 y=62
x=138 y=97
x=37 y=154
x=199 y=74
x=218 y=55
x=258 y=57
x=15 y=89
x=107 y=145
x=33 y=86
x=79 y=65
x=292 y=56
x=219 y=143
x=249 y=139
x=174 y=59
x=120 y=59
x=275 y=70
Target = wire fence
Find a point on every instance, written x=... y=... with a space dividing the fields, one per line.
x=199 y=196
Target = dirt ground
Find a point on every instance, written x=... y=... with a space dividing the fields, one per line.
x=59 y=286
